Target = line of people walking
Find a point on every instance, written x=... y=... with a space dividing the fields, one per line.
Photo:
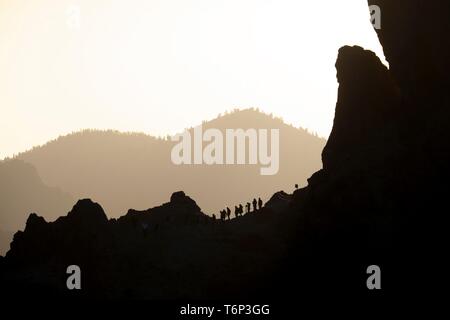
x=239 y=210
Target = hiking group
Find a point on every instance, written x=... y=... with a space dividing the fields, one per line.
x=225 y=214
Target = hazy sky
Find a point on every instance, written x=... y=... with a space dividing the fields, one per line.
x=159 y=66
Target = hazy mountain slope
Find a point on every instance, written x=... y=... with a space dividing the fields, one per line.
x=124 y=171
x=172 y=251
x=23 y=192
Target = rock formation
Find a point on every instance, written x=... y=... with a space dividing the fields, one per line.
x=385 y=174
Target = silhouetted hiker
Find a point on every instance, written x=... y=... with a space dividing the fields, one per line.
x=228 y=213
x=260 y=203
x=214 y=217
x=236 y=211
x=241 y=209
x=255 y=203
x=222 y=215
x=248 y=207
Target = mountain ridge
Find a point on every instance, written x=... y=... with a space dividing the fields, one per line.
x=107 y=161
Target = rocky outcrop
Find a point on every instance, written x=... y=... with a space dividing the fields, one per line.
x=366 y=111
x=171 y=251
x=385 y=167
x=21 y=192
x=414 y=36
x=81 y=232
x=87 y=228
x=279 y=202
x=385 y=170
